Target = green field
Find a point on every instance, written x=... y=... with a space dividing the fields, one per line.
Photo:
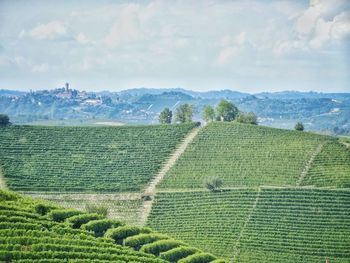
x=244 y=155
x=37 y=231
x=303 y=225
x=85 y=159
x=285 y=194
x=211 y=221
x=308 y=225
x=331 y=167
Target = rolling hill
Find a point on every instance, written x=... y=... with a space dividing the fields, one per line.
x=285 y=194
x=35 y=231
x=86 y=159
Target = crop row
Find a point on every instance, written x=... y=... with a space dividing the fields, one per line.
x=53 y=233
x=210 y=221
x=244 y=155
x=306 y=223
x=331 y=167
x=86 y=159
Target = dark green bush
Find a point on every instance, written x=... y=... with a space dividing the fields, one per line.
x=59 y=215
x=99 y=227
x=120 y=233
x=198 y=258
x=139 y=240
x=8 y=196
x=175 y=254
x=213 y=183
x=159 y=246
x=43 y=209
x=78 y=220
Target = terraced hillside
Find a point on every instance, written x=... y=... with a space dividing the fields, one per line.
x=212 y=221
x=85 y=159
x=33 y=231
x=331 y=167
x=244 y=155
x=271 y=225
x=285 y=195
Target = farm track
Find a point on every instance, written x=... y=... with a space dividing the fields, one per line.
x=151 y=188
x=83 y=196
x=309 y=163
x=236 y=247
x=2 y=181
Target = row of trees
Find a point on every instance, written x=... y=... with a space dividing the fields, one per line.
x=183 y=114
x=224 y=111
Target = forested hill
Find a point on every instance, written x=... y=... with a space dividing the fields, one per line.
x=322 y=112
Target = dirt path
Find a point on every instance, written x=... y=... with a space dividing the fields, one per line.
x=2 y=181
x=151 y=188
x=309 y=163
x=82 y=196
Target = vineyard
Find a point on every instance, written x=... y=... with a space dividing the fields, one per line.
x=211 y=221
x=331 y=167
x=244 y=155
x=271 y=225
x=126 y=207
x=285 y=195
x=35 y=231
x=86 y=159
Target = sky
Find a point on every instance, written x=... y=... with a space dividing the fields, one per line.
x=243 y=45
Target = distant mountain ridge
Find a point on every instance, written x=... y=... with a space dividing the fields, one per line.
x=327 y=112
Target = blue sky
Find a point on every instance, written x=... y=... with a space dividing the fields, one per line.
x=252 y=46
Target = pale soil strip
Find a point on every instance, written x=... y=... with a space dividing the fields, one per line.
x=309 y=163
x=236 y=249
x=151 y=188
x=83 y=196
x=2 y=181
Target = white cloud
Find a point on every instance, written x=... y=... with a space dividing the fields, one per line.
x=341 y=26
x=82 y=39
x=40 y=68
x=52 y=30
x=322 y=23
x=127 y=28
x=226 y=55
x=231 y=46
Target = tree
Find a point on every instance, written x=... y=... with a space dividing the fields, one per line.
x=213 y=183
x=4 y=120
x=226 y=110
x=249 y=118
x=165 y=116
x=208 y=113
x=184 y=113
x=299 y=126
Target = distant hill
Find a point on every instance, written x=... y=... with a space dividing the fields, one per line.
x=9 y=93
x=322 y=112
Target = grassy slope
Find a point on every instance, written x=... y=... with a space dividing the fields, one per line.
x=331 y=167
x=307 y=225
x=286 y=224
x=208 y=220
x=243 y=155
x=27 y=236
x=85 y=159
x=303 y=225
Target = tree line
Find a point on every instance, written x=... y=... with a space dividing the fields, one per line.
x=224 y=111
